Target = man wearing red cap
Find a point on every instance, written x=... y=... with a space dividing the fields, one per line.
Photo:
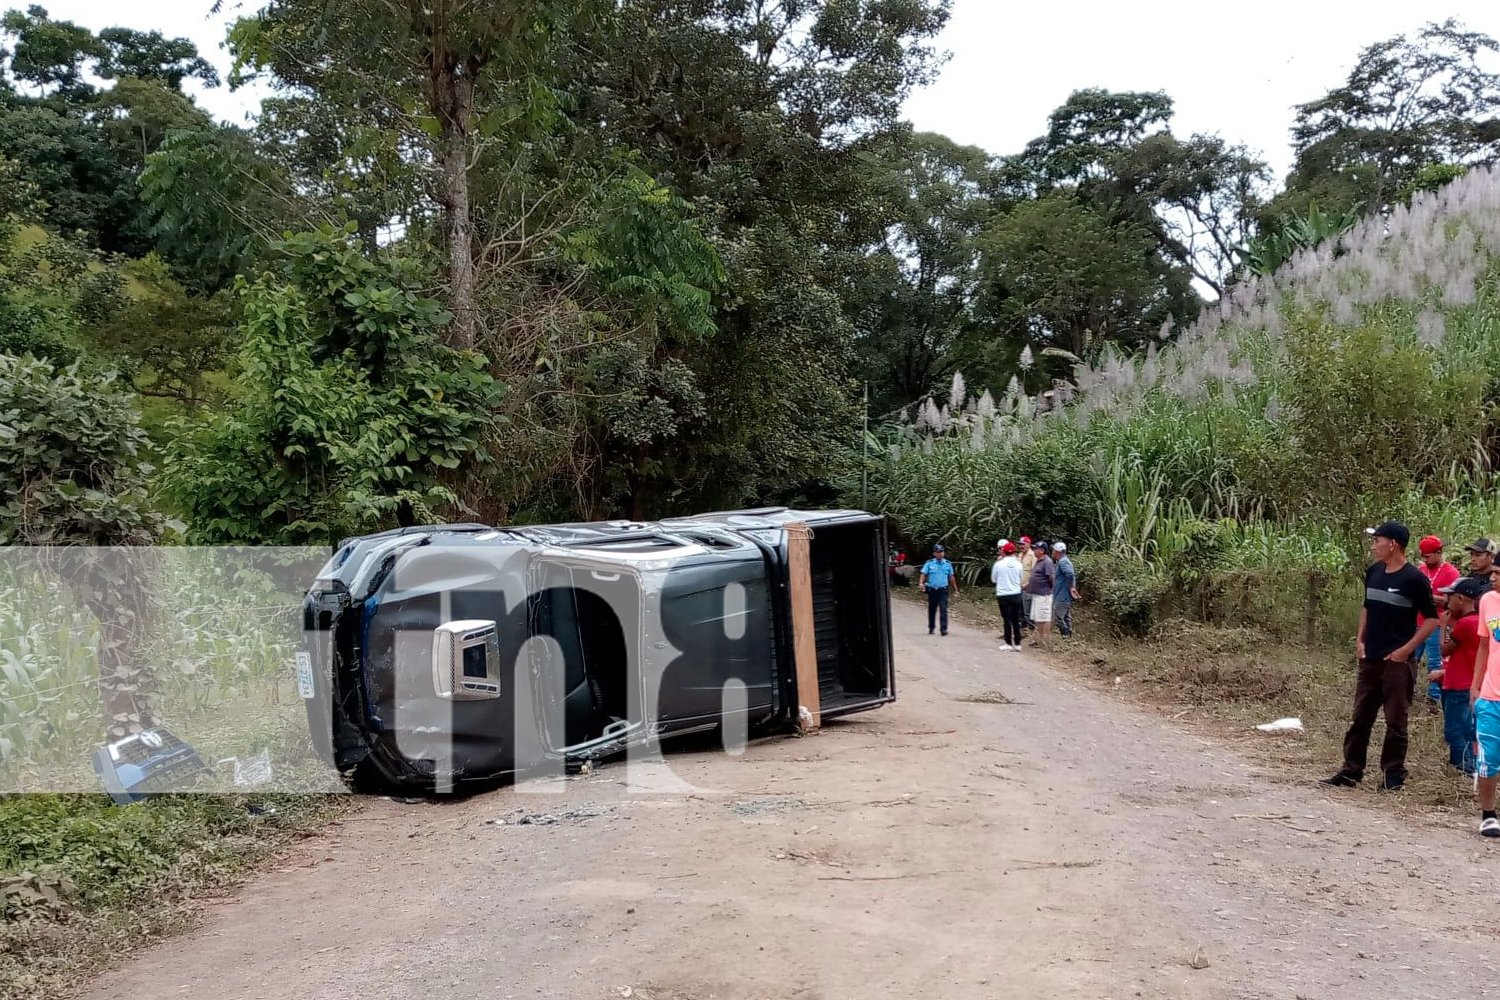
x=1006 y=575
x=1442 y=575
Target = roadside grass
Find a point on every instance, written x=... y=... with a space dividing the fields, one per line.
x=1223 y=682
x=83 y=881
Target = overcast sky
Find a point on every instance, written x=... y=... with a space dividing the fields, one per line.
x=1234 y=71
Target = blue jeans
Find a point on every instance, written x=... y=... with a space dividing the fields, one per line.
x=1062 y=613
x=1458 y=729
x=937 y=600
x=1431 y=658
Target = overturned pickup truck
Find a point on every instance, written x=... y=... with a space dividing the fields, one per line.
x=436 y=656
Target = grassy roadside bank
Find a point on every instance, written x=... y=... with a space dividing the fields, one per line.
x=1222 y=682
x=82 y=881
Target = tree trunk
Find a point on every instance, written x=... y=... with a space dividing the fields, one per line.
x=1311 y=606
x=368 y=233
x=640 y=488
x=115 y=584
x=121 y=678
x=453 y=104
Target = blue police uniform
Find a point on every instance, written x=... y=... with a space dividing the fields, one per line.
x=939 y=573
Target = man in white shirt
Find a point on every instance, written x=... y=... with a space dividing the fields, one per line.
x=1006 y=576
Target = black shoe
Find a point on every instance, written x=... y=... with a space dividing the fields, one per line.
x=945 y=633
x=1343 y=779
x=929 y=631
x=1394 y=780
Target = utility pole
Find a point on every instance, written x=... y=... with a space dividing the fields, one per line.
x=864 y=469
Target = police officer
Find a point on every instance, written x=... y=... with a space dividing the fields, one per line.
x=937 y=579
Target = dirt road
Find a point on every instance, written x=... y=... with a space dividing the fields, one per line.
x=1065 y=845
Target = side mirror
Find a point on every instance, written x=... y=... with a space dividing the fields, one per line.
x=466 y=660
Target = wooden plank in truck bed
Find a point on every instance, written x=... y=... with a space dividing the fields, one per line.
x=804 y=627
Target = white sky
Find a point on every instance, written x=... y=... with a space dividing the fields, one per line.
x=1234 y=71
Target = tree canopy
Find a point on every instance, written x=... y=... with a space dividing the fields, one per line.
x=1409 y=102
x=569 y=258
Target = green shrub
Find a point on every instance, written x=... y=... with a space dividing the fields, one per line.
x=81 y=879
x=350 y=414
x=969 y=499
x=114 y=854
x=71 y=451
x=1128 y=592
x=37 y=341
x=1191 y=549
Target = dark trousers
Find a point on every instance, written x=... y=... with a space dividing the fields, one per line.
x=1382 y=684
x=1062 y=614
x=937 y=600
x=1010 y=613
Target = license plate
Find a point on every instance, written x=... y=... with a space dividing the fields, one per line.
x=304 y=675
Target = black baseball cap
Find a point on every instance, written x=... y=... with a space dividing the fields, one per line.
x=939 y=547
x=1465 y=585
x=1394 y=530
x=1482 y=545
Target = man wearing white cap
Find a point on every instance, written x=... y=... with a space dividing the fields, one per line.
x=1064 y=590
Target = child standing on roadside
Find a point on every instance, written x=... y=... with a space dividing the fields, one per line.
x=1484 y=693
x=1456 y=677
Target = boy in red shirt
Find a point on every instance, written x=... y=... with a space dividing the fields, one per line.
x=1441 y=574
x=1461 y=631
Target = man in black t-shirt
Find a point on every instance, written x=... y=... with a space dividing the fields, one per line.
x=1396 y=592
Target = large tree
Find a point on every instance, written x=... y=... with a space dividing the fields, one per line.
x=764 y=115
x=1204 y=195
x=915 y=292
x=82 y=147
x=1085 y=135
x=1060 y=274
x=450 y=80
x=1407 y=103
x=1105 y=227
x=1197 y=196
x=46 y=53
